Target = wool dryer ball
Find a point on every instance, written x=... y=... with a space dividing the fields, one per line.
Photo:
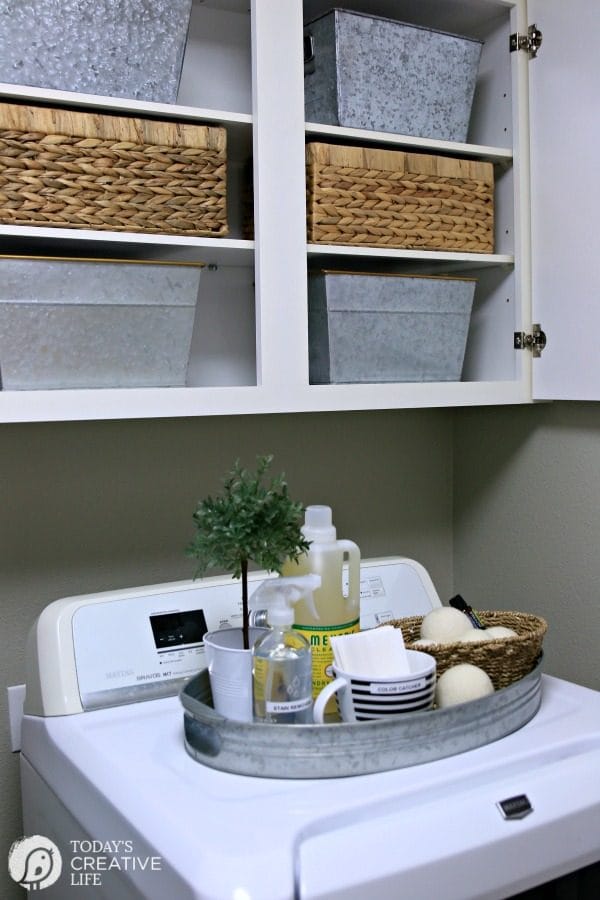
x=444 y=625
x=462 y=683
x=476 y=636
x=500 y=631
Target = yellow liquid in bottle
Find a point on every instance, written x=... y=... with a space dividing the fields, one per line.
x=338 y=608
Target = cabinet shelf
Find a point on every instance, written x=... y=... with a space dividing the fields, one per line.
x=126 y=245
x=328 y=252
x=216 y=76
x=123 y=106
x=337 y=134
x=70 y=405
x=243 y=70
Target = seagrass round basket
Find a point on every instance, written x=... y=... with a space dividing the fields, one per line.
x=505 y=660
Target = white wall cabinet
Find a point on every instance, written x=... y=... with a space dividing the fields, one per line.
x=244 y=69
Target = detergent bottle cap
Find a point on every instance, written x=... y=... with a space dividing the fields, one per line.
x=318 y=525
x=279 y=595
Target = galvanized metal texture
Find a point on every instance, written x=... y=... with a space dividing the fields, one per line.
x=340 y=750
x=121 y=48
x=69 y=323
x=383 y=75
x=382 y=328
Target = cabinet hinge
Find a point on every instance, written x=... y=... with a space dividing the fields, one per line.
x=531 y=42
x=536 y=341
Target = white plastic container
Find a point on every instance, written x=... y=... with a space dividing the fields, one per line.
x=337 y=606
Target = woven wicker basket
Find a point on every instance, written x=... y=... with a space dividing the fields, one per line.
x=67 y=169
x=388 y=198
x=506 y=660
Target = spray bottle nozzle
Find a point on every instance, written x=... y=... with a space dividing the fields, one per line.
x=279 y=595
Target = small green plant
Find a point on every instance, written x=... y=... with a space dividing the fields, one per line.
x=253 y=520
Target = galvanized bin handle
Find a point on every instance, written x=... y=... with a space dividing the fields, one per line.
x=309 y=53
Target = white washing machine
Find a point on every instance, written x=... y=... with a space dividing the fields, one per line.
x=106 y=777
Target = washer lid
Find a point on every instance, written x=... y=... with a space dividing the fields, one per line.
x=124 y=773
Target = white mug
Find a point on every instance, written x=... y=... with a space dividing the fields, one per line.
x=362 y=698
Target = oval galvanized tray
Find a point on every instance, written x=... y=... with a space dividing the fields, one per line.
x=342 y=749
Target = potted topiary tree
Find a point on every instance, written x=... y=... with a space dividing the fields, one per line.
x=254 y=520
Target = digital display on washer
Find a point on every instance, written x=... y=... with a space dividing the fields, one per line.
x=173 y=629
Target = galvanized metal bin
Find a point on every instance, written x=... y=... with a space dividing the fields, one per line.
x=369 y=72
x=387 y=328
x=342 y=749
x=67 y=323
x=120 y=48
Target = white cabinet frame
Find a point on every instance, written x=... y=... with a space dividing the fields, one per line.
x=259 y=304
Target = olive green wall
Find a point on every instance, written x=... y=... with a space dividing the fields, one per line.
x=501 y=504
x=93 y=506
x=527 y=523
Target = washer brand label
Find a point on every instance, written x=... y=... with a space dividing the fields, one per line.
x=515 y=807
x=120 y=673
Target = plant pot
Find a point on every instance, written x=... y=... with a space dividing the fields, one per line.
x=230 y=671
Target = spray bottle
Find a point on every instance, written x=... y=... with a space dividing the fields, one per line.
x=337 y=604
x=281 y=663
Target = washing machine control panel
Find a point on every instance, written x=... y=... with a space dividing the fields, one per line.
x=143 y=647
x=118 y=647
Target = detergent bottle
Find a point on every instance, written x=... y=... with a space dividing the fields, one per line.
x=281 y=660
x=336 y=601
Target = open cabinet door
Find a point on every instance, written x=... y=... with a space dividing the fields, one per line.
x=565 y=180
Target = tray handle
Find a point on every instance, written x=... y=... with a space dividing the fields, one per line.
x=201 y=738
